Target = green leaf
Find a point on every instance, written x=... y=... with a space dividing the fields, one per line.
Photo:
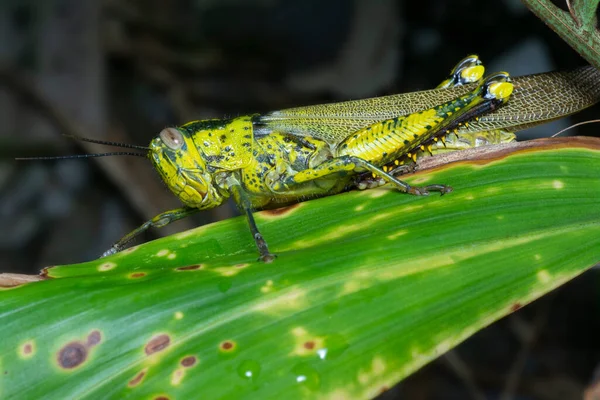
x=368 y=287
x=577 y=27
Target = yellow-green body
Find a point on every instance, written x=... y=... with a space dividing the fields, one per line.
x=288 y=156
x=280 y=168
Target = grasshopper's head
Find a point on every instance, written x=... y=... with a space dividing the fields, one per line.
x=183 y=169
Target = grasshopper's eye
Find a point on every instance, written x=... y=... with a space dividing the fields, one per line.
x=172 y=138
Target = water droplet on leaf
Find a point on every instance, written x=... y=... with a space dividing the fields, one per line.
x=307 y=376
x=249 y=369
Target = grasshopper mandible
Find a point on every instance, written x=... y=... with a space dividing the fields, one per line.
x=283 y=157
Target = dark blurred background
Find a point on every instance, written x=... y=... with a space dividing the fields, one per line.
x=122 y=70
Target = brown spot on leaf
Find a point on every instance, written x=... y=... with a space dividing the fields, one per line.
x=309 y=345
x=94 y=338
x=161 y=398
x=188 y=361
x=107 y=266
x=137 y=379
x=227 y=345
x=27 y=348
x=516 y=306
x=137 y=275
x=281 y=211
x=383 y=389
x=178 y=375
x=157 y=343
x=72 y=355
x=189 y=267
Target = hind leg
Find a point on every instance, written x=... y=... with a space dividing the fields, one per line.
x=468 y=70
x=348 y=165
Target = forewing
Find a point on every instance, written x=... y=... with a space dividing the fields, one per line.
x=536 y=99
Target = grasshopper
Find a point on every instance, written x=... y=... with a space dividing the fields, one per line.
x=284 y=157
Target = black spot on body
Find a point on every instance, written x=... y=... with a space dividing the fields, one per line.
x=261 y=158
x=214 y=159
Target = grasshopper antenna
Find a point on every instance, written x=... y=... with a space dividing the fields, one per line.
x=104 y=142
x=592 y=121
x=94 y=155
x=116 y=153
